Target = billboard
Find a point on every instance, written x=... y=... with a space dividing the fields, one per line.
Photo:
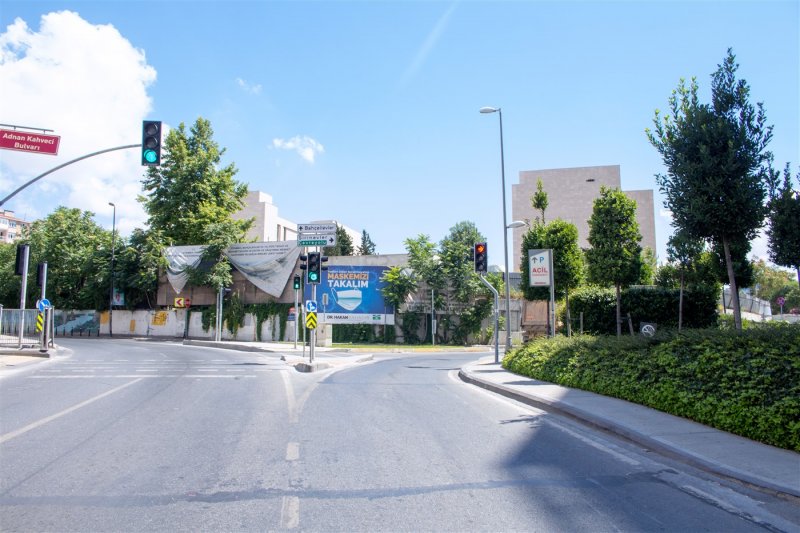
x=352 y=295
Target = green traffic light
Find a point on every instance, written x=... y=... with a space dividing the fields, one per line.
x=312 y=276
x=150 y=156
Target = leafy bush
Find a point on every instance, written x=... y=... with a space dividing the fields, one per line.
x=658 y=305
x=745 y=382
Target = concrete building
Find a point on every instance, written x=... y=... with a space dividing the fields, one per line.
x=571 y=193
x=11 y=227
x=268 y=226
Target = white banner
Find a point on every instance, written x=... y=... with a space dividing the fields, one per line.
x=180 y=258
x=267 y=265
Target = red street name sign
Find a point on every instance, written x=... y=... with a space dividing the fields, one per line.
x=37 y=143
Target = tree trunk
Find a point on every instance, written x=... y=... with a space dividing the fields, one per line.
x=680 y=304
x=737 y=310
x=569 y=318
x=619 y=312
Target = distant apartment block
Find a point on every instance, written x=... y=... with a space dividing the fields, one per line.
x=11 y=227
x=571 y=193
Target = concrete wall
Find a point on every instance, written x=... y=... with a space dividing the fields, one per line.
x=571 y=193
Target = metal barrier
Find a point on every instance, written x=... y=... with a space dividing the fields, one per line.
x=11 y=321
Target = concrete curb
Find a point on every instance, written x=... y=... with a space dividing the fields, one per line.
x=227 y=346
x=597 y=421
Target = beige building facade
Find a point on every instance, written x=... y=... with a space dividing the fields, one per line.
x=268 y=226
x=11 y=226
x=571 y=193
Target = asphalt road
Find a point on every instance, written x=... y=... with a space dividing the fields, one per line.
x=145 y=436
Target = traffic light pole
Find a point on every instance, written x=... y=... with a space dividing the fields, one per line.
x=296 y=318
x=40 y=176
x=313 y=331
x=496 y=318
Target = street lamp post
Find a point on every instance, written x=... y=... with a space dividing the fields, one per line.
x=499 y=112
x=111 y=292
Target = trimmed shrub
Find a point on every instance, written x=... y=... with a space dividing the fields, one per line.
x=744 y=382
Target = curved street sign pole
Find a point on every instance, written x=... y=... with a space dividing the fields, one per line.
x=40 y=176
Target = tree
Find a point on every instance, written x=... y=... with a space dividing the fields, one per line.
x=138 y=265
x=717 y=163
x=615 y=255
x=742 y=267
x=367 y=247
x=343 y=246
x=78 y=255
x=684 y=250
x=783 y=231
x=463 y=284
x=539 y=200
x=772 y=282
x=568 y=267
x=190 y=191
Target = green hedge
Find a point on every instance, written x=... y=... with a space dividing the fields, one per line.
x=744 y=382
x=658 y=305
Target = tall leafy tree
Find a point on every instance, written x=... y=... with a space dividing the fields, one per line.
x=343 y=246
x=138 y=262
x=615 y=255
x=78 y=255
x=717 y=163
x=367 y=246
x=539 y=200
x=191 y=190
x=568 y=265
x=683 y=250
x=784 y=224
x=463 y=284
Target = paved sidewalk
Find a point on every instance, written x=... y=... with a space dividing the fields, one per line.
x=712 y=450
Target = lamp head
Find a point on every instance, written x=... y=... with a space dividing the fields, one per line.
x=489 y=109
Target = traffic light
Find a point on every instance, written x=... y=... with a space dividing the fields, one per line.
x=481 y=257
x=296 y=282
x=151 y=143
x=41 y=274
x=23 y=251
x=314 y=267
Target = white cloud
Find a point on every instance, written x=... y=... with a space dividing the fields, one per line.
x=306 y=147
x=55 y=78
x=665 y=213
x=248 y=87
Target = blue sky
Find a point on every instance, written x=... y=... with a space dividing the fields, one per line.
x=367 y=112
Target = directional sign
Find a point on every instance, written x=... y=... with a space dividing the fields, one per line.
x=316 y=228
x=311 y=320
x=42 y=304
x=37 y=143
x=311 y=306
x=180 y=303
x=312 y=242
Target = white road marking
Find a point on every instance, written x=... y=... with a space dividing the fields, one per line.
x=43 y=421
x=104 y=376
x=290 y=512
x=594 y=444
x=293 y=451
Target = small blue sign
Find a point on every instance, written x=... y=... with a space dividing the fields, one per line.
x=43 y=304
x=311 y=306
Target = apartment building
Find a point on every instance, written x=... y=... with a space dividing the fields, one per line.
x=11 y=226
